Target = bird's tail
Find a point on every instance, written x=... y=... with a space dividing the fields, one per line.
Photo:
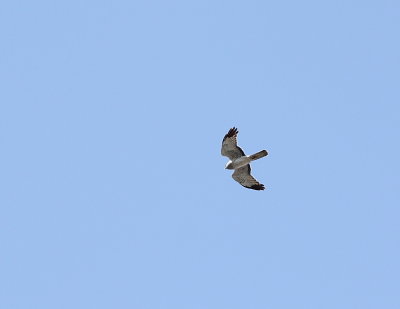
x=258 y=155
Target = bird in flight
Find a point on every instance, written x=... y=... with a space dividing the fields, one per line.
x=239 y=162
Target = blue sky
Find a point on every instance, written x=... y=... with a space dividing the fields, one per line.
x=114 y=193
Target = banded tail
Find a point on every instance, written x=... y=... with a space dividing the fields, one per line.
x=258 y=155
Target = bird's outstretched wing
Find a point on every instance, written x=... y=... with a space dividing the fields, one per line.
x=229 y=147
x=242 y=175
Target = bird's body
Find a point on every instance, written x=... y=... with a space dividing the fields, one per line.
x=236 y=163
x=239 y=161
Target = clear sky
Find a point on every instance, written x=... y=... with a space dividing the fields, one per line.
x=114 y=193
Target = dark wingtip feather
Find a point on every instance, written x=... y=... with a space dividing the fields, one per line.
x=257 y=187
x=231 y=133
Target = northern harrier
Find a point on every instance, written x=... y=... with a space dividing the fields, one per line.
x=239 y=161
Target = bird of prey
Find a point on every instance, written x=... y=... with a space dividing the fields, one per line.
x=239 y=161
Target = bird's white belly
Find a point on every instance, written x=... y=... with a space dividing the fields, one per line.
x=239 y=162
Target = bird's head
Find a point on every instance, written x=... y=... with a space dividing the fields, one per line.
x=229 y=165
